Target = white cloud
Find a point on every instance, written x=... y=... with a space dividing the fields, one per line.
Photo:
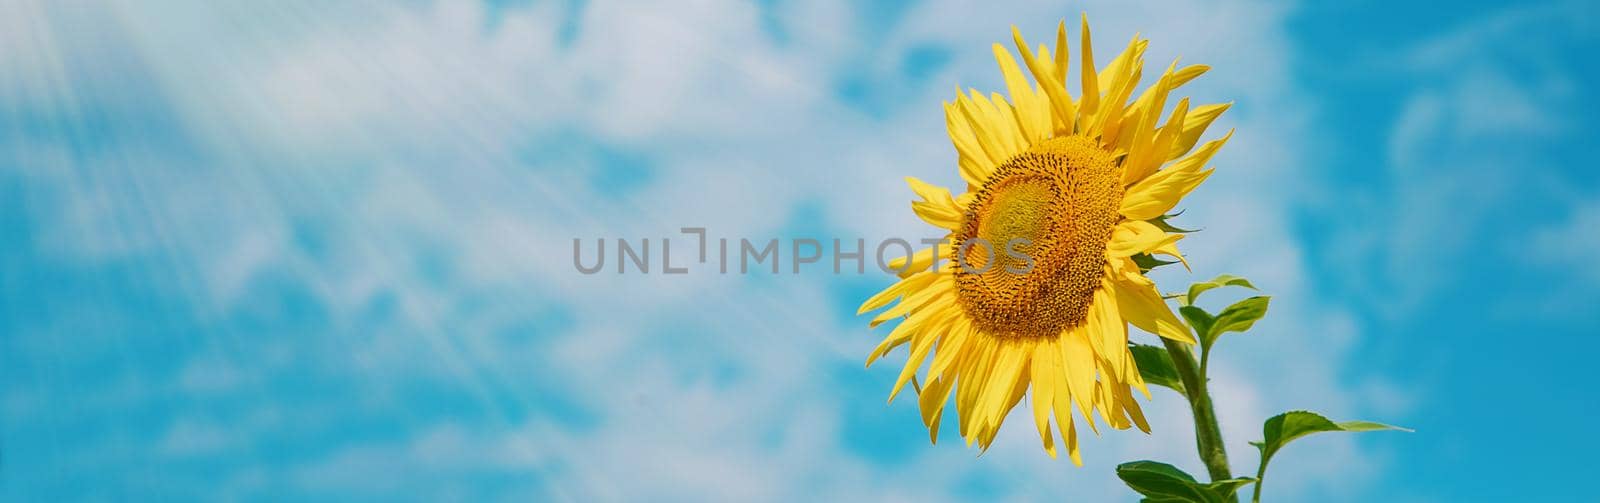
x=1466 y=144
x=1569 y=245
x=190 y=437
x=1562 y=249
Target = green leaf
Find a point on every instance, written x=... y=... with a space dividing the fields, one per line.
x=1161 y=223
x=1147 y=262
x=1238 y=317
x=1357 y=426
x=1220 y=281
x=1226 y=489
x=1164 y=483
x=1279 y=430
x=1283 y=428
x=1200 y=320
x=1155 y=366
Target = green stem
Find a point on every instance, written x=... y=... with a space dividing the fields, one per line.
x=1207 y=435
x=1261 y=474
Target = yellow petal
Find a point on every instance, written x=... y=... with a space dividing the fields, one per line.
x=1019 y=388
x=932 y=401
x=1060 y=101
x=1119 y=67
x=1156 y=194
x=976 y=166
x=1131 y=406
x=1043 y=380
x=1090 y=102
x=1035 y=126
x=937 y=289
x=1008 y=367
x=1062 y=56
x=950 y=348
x=973 y=378
x=1200 y=157
x=1171 y=250
x=1078 y=359
x=936 y=207
x=974 y=171
x=1105 y=323
x=1072 y=440
x=921 y=260
x=912 y=283
x=912 y=325
x=1049 y=354
x=1153 y=157
x=1133 y=374
x=922 y=342
x=1132 y=237
x=1142 y=306
x=1188 y=73
x=1195 y=125
x=1001 y=392
x=1142 y=119
x=987 y=137
x=1113 y=111
x=1160 y=192
x=1110 y=410
x=1000 y=120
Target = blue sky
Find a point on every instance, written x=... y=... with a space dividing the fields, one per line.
x=287 y=250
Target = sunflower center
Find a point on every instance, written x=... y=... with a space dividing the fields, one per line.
x=1036 y=239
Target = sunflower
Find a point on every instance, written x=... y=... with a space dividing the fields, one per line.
x=1082 y=188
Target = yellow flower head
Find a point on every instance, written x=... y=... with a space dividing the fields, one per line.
x=1073 y=188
